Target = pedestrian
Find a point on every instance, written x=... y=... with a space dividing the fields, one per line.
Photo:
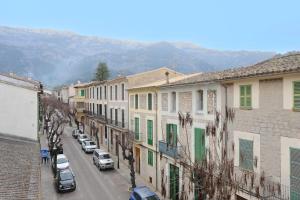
x=44 y=155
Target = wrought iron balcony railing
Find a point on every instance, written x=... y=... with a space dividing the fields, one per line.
x=170 y=150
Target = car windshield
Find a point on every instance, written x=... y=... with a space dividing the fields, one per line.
x=154 y=197
x=84 y=136
x=92 y=143
x=105 y=156
x=61 y=160
x=66 y=176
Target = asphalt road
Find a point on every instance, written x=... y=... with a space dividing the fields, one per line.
x=91 y=183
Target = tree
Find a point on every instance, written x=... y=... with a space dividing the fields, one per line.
x=56 y=116
x=127 y=152
x=102 y=72
x=214 y=176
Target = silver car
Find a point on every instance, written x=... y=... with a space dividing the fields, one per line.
x=88 y=146
x=82 y=137
x=102 y=160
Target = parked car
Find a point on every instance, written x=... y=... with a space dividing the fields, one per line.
x=65 y=180
x=143 y=193
x=88 y=146
x=75 y=133
x=82 y=137
x=62 y=162
x=102 y=160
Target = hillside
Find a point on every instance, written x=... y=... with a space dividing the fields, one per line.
x=57 y=57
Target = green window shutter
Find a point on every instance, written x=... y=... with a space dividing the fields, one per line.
x=149 y=101
x=297 y=95
x=295 y=173
x=248 y=96
x=245 y=96
x=82 y=93
x=136 y=101
x=174 y=134
x=168 y=135
x=246 y=154
x=136 y=128
x=150 y=131
x=199 y=144
x=150 y=157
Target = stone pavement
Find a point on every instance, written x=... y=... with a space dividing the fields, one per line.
x=48 y=191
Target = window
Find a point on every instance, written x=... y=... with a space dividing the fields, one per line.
x=116 y=116
x=111 y=92
x=116 y=92
x=211 y=101
x=297 y=95
x=111 y=137
x=150 y=132
x=93 y=108
x=245 y=96
x=123 y=118
x=137 y=128
x=199 y=144
x=100 y=108
x=150 y=157
x=149 y=101
x=136 y=101
x=172 y=134
x=105 y=92
x=123 y=91
x=90 y=93
x=101 y=93
x=173 y=102
x=97 y=93
x=295 y=175
x=82 y=93
x=246 y=154
x=199 y=100
x=111 y=114
x=93 y=92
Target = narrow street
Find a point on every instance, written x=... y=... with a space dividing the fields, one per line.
x=91 y=183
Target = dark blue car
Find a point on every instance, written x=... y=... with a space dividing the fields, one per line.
x=143 y=193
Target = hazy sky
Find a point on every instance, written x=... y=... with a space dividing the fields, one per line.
x=272 y=25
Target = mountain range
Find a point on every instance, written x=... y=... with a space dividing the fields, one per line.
x=61 y=57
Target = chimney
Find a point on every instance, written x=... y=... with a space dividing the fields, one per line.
x=167 y=77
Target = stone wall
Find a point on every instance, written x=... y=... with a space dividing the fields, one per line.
x=271 y=121
x=185 y=102
x=164 y=101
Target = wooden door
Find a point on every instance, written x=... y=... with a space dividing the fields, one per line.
x=137 y=160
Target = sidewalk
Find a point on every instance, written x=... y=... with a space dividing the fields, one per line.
x=124 y=171
x=48 y=192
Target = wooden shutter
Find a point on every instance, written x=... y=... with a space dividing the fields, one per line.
x=295 y=173
x=150 y=157
x=136 y=128
x=242 y=96
x=149 y=101
x=246 y=154
x=245 y=96
x=174 y=134
x=248 y=96
x=199 y=144
x=168 y=135
x=297 y=95
x=150 y=131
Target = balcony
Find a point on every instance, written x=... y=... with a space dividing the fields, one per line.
x=169 y=150
x=90 y=113
x=137 y=137
x=117 y=124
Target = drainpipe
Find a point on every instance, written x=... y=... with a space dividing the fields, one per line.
x=156 y=140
